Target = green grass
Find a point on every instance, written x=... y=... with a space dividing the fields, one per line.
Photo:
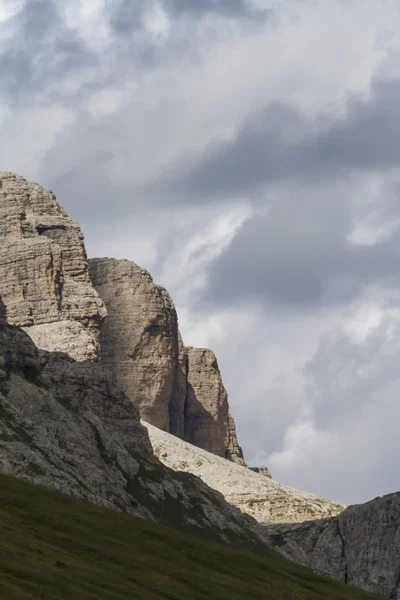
x=55 y=547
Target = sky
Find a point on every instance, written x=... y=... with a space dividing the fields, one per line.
x=247 y=153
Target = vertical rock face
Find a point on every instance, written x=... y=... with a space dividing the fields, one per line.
x=208 y=423
x=46 y=288
x=176 y=389
x=44 y=278
x=360 y=546
x=140 y=343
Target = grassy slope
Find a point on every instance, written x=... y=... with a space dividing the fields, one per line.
x=55 y=547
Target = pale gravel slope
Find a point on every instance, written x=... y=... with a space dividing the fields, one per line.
x=264 y=499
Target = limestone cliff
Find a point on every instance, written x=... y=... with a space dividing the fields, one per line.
x=360 y=546
x=46 y=288
x=177 y=389
x=64 y=425
x=44 y=277
x=208 y=423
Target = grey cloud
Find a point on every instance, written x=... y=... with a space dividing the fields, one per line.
x=298 y=257
x=226 y=8
x=346 y=376
x=43 y=50
x=280 y=144
x=127 y=17
x=354 y=389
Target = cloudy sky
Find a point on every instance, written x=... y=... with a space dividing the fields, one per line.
x=247 y=153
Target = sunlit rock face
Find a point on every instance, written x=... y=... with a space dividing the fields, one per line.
x=44 y=277
x=177 y=389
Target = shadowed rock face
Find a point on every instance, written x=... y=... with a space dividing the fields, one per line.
x=177 y=389
x=64 y=425
x=360 y=546
x=208 y=423
x=44 y=277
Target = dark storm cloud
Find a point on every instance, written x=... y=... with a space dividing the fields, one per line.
x=43 y=50
x=298 y=257
x=281 y=144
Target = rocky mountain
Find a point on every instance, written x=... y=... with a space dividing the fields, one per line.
x=110 y=351
x=46 y=288
x=64 y=425
x=255 y=494
x=177 y=389
x=359 y=545
x=44 y=277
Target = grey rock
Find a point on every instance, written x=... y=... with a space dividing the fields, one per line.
x=44 y=277
x=64 y=425
x=208 y=422
x=264 y=471
x=177 y=389
x=360 y=546
x=268 y=501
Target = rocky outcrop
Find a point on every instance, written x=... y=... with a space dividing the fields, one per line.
x=264 y=471
x=208 y=423
x=46 y=288
x=264 y=499
x=177 y=389
x=64 y=425
x=44 y=278
x=361 y=546
x=140 y=343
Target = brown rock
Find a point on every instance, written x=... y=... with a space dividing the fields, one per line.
x=140 y=342
x=44 y=277
x=176 y=389
x=208 y=423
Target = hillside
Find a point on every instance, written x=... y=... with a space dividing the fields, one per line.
x=359 y=545
x=266 y=500
x=55 y=547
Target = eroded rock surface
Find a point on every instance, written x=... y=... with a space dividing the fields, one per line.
x=361 y=546
x=208 y=423
x=264 y=499
x=64 y=425
x=264 y=471
x=177 y=389
x=44 y=278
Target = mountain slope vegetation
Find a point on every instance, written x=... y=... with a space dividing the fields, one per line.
x=56 y=547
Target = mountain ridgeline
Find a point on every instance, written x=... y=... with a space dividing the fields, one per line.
x=46 y=288
x=88 y=348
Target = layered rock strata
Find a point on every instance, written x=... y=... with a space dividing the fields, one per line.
x=44 y=278
x=64 y=425
x=46 y=288
x=177 y=389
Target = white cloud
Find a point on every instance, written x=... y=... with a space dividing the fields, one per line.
x=314 y=390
